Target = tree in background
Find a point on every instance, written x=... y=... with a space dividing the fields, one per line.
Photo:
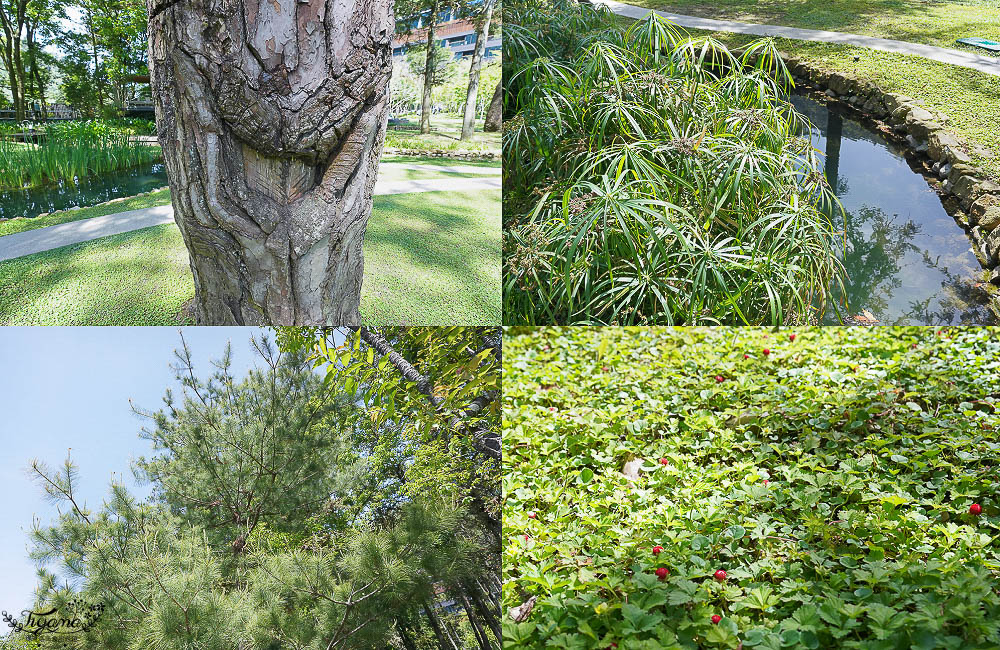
x=483 y=18
x=13 y=15
x=297 y=509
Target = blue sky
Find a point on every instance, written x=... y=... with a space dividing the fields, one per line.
x=64 y=388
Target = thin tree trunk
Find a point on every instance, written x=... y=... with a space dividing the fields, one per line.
x=472 y=96
x=439 y=632
x=494 y=116
x=93 y=46
x=425 y=106
x=487 y=614
x=272 y=116
x=404 y=636
x=481 y=638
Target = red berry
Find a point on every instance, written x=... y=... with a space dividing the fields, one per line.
x=720 y=378
x=720 y=575
x=791 y=337
x=532 y=515
x=715 y=619
x=605 y=368
x=746 y=356
x=613 y=645
x=766 y=482
x=913 y=346
x=664 y=461
x=657 y=550
x=552 y=408
x=766 y=352
x=975 y=509
x=662 y=573
x=526 y=538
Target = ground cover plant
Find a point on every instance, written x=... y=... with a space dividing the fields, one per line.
x=430 y=257
x=655 y=178
x=842 y=480
x=69 y=150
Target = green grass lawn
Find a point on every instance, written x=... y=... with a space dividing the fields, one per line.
x=397 y=174
x=433 y=258
x=830 y=476
x=932 y=22
x=21 y=224
x=135 y=278
x=430 y=258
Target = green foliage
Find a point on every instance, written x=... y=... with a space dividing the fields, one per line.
x=68 y=151
x=655 y=178
x=873 y=442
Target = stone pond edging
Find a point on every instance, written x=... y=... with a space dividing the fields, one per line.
x=441 y=153
x=924 y=132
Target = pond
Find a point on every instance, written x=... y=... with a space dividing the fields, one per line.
x=908 y=261
x=90 y=190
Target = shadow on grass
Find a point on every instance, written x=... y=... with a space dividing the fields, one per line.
x=437 y=257
x=135 y=278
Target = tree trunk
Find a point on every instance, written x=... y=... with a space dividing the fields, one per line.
x=494 y=116
x=97 y=62
x=440 y=632
x=472 y=96
x=272 y=116
x=13 y=25
x=425 y=105
x=481 y=638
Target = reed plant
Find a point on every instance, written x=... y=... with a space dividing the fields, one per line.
x=66 y=152
x=655 y=178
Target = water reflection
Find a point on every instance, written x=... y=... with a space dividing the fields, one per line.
x=91 y=190
x=907 y=260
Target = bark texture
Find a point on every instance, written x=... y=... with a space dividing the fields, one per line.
x=272 y=116
x=494 y=116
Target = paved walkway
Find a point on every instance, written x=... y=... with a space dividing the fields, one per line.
x=982 y=63
x=74 y=232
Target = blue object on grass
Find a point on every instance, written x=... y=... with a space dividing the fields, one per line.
x=986 y=44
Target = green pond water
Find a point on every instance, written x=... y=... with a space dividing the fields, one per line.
x=908 y=262
x=87 y=191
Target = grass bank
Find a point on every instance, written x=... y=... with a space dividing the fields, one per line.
x=934 y=22
x=830 y=478
x=444 y=136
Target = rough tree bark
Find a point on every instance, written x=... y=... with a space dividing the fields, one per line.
x=472 y=95
x=494 y=116
x=272 y=116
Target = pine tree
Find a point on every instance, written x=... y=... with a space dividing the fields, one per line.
x=266 y=529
